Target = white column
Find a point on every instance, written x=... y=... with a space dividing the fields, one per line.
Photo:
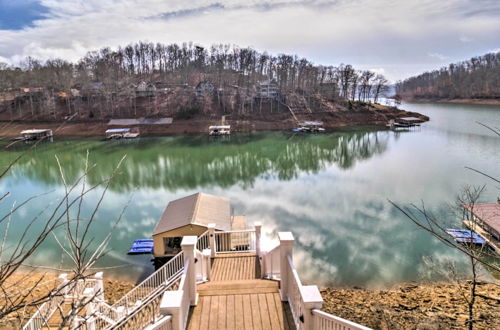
x=99 y=287
x=286 y=249
x=258 y=233
x=188 y=245
x=312 y=300
x=208 y=262
x=171 y=304
x=90 y=307
x=211 y=238
x=63 y=279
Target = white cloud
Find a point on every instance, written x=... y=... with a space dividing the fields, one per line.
x=465 y=39
x=392 y=35
x=440 y=57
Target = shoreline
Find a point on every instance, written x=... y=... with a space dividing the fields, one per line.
x=428 y=305
x=374 y=118
x=458 y=101
x=414 y=305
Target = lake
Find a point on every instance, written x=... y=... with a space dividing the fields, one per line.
x=331 y=190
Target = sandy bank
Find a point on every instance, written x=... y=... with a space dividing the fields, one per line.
x=413 y=306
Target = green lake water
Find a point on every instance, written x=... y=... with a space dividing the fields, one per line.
x=331 y=190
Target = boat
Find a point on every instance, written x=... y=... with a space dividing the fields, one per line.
x=309 y=127
x=122 y=133
x=219 y=130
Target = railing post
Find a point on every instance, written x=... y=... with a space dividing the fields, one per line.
x=90 y=307
x=211 y=239
x=311 y=297
x=258 y=232
x=99 y=287
x=188 y=245
x=171 y=304
x=286 y=249
x=208 y=262
x=63 y=278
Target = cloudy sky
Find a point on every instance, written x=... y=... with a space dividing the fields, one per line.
x=398 y=38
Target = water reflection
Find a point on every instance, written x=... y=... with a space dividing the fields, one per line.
x=191 y=162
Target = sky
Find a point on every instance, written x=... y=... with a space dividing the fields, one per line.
x=398 y=38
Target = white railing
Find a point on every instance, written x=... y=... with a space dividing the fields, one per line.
x=165 y=323
x=235 y=241
x=295 y=295
x=185 y=301
x=270 y=263
x=106 y=315
x=305 y=301
x=203 y=241
x=160 y=278
x=43 y=314
x=325 y=321
x=147 y=312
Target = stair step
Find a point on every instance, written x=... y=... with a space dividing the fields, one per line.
x=237 y=287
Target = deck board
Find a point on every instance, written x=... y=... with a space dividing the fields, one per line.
x=233 y=267
x=236 y=298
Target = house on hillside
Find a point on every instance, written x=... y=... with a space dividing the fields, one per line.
x=191 y=215
x=205 y=88
x=94 y=88
x=144 y=89
x=268 y=89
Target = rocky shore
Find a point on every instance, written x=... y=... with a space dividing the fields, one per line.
x=414 y=306
x=409 y=306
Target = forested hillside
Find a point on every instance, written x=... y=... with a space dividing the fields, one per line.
x=146 y=79
x=477 y=78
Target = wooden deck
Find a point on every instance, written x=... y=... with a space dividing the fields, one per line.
x=235 y=266
x=236 y=298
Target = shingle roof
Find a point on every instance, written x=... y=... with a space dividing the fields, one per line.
x=488 y=213
x=198 y=209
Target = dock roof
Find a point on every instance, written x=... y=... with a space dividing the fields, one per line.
x=197 y=209
x=35 y=131
x=117 y=130
x=489 y=213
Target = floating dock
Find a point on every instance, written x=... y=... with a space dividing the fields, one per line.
x=493 y=243
x=466 y=236
x=141 y=246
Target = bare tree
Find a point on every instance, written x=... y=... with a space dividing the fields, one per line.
x=64 y=222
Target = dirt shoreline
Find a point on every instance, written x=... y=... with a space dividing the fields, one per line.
x=460 y=101
x=200 y=125
x=414 y=306
x=435 y=305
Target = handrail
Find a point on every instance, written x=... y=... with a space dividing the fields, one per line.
x=235 y=241
x=162 y=276
x=236 y=231
x=295 y=293
x=47 y=309
x=43 y=314
x=147 y=304
x=271 y=263
x=203 y=241
x=323 y=320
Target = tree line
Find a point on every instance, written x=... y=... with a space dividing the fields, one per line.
x=478 y=77
x=225 y=66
